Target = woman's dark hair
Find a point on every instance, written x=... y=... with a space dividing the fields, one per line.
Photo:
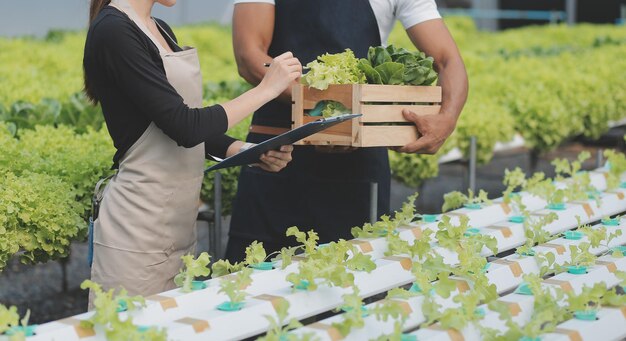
x=94 y=9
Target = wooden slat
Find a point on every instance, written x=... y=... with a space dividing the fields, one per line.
x=400 y=93
x=392 y=112
x=321 y=139
x=297 y=112
x=343 y=128
x=341 y=93
x=357 y=107
x=387 y=136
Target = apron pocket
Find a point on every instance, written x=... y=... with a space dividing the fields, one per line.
x=137 y=272
x=181 y=213
x=133 y=217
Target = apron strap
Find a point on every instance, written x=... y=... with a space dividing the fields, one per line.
x=125 y=7
x=167 y=35
x=98 y=194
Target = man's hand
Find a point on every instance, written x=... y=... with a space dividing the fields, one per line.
x=433 y=131
x=432 y=37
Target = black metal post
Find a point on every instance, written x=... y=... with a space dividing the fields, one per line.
x=373 y=202
x=472 y=164
x=217 y=206
x=599 y=158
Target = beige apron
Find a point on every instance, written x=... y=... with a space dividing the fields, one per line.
x=147 y=217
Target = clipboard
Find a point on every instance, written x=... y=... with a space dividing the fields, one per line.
x=252 y=155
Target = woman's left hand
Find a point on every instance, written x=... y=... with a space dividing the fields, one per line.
x=274 y=161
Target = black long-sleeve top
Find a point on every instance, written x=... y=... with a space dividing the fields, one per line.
x=125 y=71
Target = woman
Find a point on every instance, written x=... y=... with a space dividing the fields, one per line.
x=150 y=90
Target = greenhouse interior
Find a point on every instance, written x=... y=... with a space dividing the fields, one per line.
x=312 y=170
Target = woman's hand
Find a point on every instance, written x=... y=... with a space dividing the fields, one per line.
x=283 y=70
x=274 y=161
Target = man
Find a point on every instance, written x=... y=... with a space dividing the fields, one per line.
x=328 y=189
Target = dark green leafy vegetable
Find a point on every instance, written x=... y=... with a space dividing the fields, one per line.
x=397 y=66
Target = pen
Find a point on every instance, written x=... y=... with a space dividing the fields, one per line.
x=268 y=65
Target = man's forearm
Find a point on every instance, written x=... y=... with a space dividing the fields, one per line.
x=250 y=65
x=454 y=84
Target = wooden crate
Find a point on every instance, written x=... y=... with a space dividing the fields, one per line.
x=382 y=123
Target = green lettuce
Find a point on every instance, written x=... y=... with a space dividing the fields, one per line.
x=397 y=66
x=339 y=68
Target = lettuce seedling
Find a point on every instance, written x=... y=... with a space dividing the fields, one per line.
x=106 y=315
x=193 y=268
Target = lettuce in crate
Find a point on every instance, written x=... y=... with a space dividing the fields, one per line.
x=397 y=66
x=383 y=65
x=338 y=68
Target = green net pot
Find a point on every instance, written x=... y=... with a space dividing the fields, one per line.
x=576 y=269
x=557 y=206
x=408 y=337
x=415 y=288
x=472 y=231
x=143 y=329
x=303 y=285
x=473 y=206
x=198 y=285
x=121 y=306
x=528 y=338
x=230 y=306
x=530 y=253
x=620 y=249
x=573 y=235
x=523 y=289
x=263 y=266
x=364 y=312
x=586 y=315
x=593 y=195
x=429 y=218
x=610 y=222
x=26 y=331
